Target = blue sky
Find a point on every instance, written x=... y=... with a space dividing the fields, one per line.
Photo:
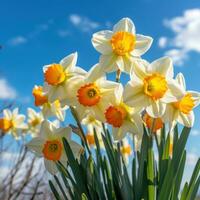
x=35 y=33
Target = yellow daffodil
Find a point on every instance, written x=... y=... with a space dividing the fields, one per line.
x=124 y=119
x=34 y=121
x=91 y=94
x=120 y=46
x=48 y=109
x=57 y=76
x=49 y=145
x=152 y=86
x=92 y=124
x=12 y=122
x=182 y=110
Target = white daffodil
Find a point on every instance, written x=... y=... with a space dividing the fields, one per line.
x=57 y=76
x=124 y=119
x=48 y=109
x=49 y=145
x=152 y=86
x=126 y=150
x=34 y=121
x=120 y=46
x=91 y=94
x=182 y=111
x=92 y=124
x=12 y=122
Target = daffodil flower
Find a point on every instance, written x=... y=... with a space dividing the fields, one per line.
x=152 y=86
x=91 y=94
x=12 y=122
x=34 y=121
x=124 y=119
x=49 y=145
x=57 y=77
x=48 y=109
x=126 y=150
x=182 y=110
x=120 y=46
x=91 y=123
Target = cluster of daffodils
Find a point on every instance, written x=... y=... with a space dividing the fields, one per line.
x=151 y=97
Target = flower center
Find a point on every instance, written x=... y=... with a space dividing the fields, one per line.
x=115 y=115
x=40 y=98
x=157 y=123
x=155 y=86
x=90 y=139
x=5 y=124
x=185 y=105
x=54 y=75
x=126 y=150
x=52 y=150
x=89 y=95
x=122 y=43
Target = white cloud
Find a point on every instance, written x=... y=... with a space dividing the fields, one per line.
x=187 y=38
x=162 y=42
x=83 y=23
x=195 y=132
x=18 y=40
x=6 y=91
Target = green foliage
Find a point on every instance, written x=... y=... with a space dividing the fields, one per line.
x=106 y=176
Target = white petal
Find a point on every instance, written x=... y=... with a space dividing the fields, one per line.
x=134 y=95
x=36 y=145
x=101 y=42
x=139 y=69
x=108 y=63
x=181 y=80
x=186 y=120
x=174 y=93
x=47 y=129
x=95 y=73
x=69 y=62
x=124 y=24
x=7 y=114
x=156 y=109
x=63 y=132
x=163 y=66
x=77 y=149
x=50 y=166
x=143 y=43
x=118 y=133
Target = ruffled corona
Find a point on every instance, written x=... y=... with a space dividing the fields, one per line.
x=155 y=123
x=185 y=105
x=52 y=150
x=54 y=74
x=5 y=124
x=155 y=86
x=40 y=97
x=115 y=115
x=89 y=95
x=122 y=43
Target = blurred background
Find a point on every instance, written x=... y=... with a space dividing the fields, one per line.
x=35 y=33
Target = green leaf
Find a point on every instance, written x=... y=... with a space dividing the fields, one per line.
x=53 y=189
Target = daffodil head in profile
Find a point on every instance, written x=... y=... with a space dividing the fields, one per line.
x=182 y=110
x=57 y=76
x=120 y=46
x=49 y=145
